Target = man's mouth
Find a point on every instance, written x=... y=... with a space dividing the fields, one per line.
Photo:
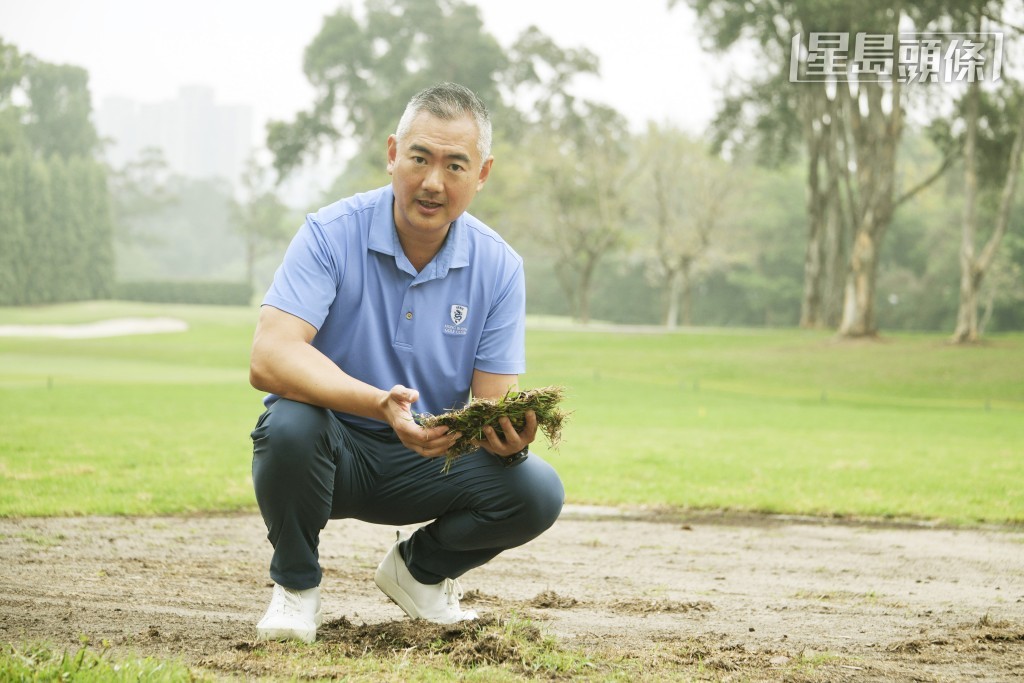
x=427 y=204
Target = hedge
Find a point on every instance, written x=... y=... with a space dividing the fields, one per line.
x=185 y=292
x=56 y=234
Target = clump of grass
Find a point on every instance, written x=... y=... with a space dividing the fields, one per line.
x=481 y=412
x=40 y=662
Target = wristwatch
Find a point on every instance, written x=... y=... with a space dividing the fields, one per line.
x=515 y=458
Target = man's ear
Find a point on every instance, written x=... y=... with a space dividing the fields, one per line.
x=485 y=171
x=392 y=153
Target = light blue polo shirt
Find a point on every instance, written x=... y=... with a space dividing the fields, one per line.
x=382 y=322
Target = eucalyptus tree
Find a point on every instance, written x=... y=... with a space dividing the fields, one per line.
x=364 y=68
x=992 y=138
x=848 y=123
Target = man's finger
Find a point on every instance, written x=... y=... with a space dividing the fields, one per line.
x=404 y=394
x=440 y=444
x=530 y=430
x=495 y=442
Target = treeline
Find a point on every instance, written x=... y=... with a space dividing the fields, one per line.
x=56 y=237
x=56 y=230
x=72 y=229
x=691 y=224
x=852 y=205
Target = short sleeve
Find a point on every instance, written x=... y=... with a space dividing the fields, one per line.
x=502 y=348
x=307 y=280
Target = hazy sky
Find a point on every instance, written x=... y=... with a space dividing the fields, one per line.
x=250 y=52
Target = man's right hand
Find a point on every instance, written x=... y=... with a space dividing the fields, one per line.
x=396 y=406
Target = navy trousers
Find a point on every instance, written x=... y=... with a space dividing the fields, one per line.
x=308 y=467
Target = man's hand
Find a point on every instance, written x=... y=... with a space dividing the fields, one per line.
x=511 y=442
x=396 y=406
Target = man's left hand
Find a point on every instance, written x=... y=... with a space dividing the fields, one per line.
x=511 y=442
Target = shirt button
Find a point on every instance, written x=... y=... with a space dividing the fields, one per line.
x=408 y=316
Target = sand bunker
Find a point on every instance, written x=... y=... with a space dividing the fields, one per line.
x=115 y=327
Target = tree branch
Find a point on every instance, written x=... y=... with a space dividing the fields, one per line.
x=938 y=173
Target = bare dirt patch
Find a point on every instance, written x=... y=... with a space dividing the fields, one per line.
x=713 y=597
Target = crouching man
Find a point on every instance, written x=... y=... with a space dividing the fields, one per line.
x=385 y=300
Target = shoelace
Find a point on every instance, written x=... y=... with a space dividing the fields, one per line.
x=292 y=605
x=453 y=590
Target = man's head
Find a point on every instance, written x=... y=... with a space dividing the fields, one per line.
x=438 y=158
x=449 y=101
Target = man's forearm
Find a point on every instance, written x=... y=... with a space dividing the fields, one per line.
x=298 y=371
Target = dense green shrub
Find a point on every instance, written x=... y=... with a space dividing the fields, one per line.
x=56 y=234
x=185 y=292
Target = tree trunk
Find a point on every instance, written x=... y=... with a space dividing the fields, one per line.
x=877 y=134
x=990 y=302
x=814 y=254
x=838 y=225
x=675 y=286
x=585 y=279
x=836 y=259
x=817 y=202
x=859 y=294
x=687 y=294
x=967 y=313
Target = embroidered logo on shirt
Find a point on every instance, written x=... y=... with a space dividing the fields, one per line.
x=458 y=313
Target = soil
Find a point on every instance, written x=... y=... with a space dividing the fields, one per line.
x=643 y=594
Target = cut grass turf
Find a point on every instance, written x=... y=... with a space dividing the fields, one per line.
x=783 y=421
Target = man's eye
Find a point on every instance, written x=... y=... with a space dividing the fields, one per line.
x=419 y=160
x=455 y=167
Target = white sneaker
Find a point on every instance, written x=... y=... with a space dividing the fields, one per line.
x=438 y=603
x=292 y=615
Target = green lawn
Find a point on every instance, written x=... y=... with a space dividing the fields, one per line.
x=778 y=420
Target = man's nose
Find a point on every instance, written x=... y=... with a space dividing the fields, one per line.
x=433 y=181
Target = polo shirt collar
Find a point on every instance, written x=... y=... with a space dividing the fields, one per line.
x=383 y=238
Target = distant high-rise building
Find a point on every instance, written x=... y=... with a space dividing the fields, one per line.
x=199 y=138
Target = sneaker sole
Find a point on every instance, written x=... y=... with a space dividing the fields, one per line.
x=306 y=635
x=286 y=634
x=397 y=595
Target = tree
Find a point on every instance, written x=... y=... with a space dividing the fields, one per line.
x=851 y=129
x=974 y=263
x=57 y=120
x=1002 y=300
x=765 y=244
x=538 y=83
x=12 y=76
x=687 y=190
x=993 y=124
x=189 y=238
x=261 y=218
x=140 y=188
x=365 y=70
x=582 y=196
x=55 y=226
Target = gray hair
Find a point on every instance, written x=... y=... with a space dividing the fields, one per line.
x=450 y=101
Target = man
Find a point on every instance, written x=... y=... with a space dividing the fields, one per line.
x=386 y=300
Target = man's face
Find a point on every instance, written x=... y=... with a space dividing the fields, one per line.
x=436 y=171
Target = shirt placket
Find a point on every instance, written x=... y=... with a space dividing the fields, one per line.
x=407 y=315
